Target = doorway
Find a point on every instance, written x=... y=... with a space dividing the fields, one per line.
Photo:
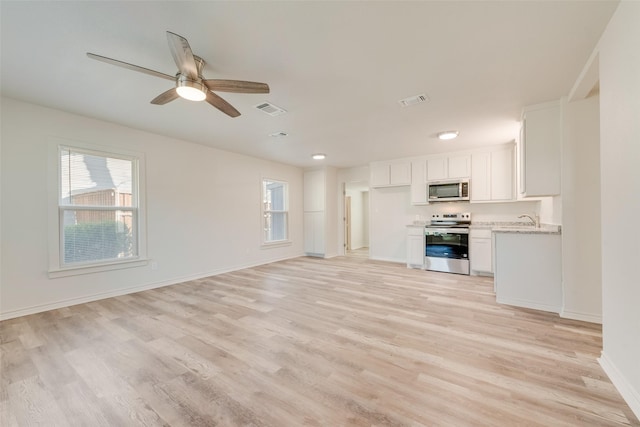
x=356 y=219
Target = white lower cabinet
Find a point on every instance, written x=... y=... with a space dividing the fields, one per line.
x=481 y=251
x=528 y=270
x=415 y=247
x=314 y=233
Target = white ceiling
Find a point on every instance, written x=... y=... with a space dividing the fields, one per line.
x=338 y=68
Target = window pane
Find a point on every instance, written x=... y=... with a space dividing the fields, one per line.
x=275 y=196
x=274 y=209
x=92 y=180
x=275 y=227
x=91 y=235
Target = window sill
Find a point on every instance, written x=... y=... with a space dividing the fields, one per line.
x=88 y=269
x=277 y=244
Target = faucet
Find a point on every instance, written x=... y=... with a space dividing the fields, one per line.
x=534 y=219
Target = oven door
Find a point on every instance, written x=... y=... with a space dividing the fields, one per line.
x=447 y=249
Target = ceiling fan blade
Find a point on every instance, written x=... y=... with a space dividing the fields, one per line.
x=130 y=66
x=165 y=97
x=221 y=104
x=237 y=86
x=183 y=55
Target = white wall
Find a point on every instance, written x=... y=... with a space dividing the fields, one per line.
x=203 y=209
x=365 y=219
x=333 y=218
x=620 y=189
x=581 y=255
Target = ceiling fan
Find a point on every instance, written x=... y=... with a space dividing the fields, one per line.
x=189 y=83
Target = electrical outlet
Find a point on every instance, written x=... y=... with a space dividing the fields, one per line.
x=154 y=265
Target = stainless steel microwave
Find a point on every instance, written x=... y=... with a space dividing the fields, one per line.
x=448 y=191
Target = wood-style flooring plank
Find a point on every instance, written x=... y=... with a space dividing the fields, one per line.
x=307 y=342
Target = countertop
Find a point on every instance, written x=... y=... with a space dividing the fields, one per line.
x=507 y=227
x=518 y=227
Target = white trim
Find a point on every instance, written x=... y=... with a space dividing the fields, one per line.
x=626 y=390
x=56 y=267
x=585 y=317
x=270 y=243
x=518 y=302
x=103 y=295
x=398 y=261
x=94 y=268
x=276 y=244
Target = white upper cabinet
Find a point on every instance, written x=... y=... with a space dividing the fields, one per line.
x=480 y=177
x=451 y=167
x=502 y=174
x=459 y=166
x=314 y=190
x=437 y=169
x=390 y=174
x=539 y=150
x=419 y=182
x=492 y=175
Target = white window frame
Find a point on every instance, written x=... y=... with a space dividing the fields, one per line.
x=264 y=212
x=57 y=268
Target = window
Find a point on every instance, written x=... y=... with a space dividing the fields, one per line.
x=275 y=205
x=98 y=208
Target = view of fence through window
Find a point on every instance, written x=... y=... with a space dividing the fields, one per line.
x=98 y=207
x=275 y=210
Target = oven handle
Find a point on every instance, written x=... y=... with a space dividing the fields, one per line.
x=438 y=231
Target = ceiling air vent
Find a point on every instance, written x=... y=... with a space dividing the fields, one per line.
x=278 y=134
x=413 y=100
x=270 y=109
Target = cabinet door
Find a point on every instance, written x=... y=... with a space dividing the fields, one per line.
x=437 y=169
x=480 y=254
x=540 y=150
x=418 y=183
x=459 y=167
x=415 y=251
x=380 y=175
x=502 y=176
x=480 y=177
x=400 y=173
x=314 y=233
x=314 y=190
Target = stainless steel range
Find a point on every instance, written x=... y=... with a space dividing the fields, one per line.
x=447 y=243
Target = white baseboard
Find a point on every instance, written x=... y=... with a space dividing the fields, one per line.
x=629 y=394
x=585 y=317
x=528 y=304
x=375 y=258
x=103 y=295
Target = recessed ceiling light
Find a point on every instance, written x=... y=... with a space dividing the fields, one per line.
x=449 y=134
x=318 y=156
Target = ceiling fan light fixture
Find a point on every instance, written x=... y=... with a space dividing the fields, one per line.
x=190 y=89
x=447 y=135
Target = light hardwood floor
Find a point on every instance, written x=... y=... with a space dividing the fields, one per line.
x=306 y=342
